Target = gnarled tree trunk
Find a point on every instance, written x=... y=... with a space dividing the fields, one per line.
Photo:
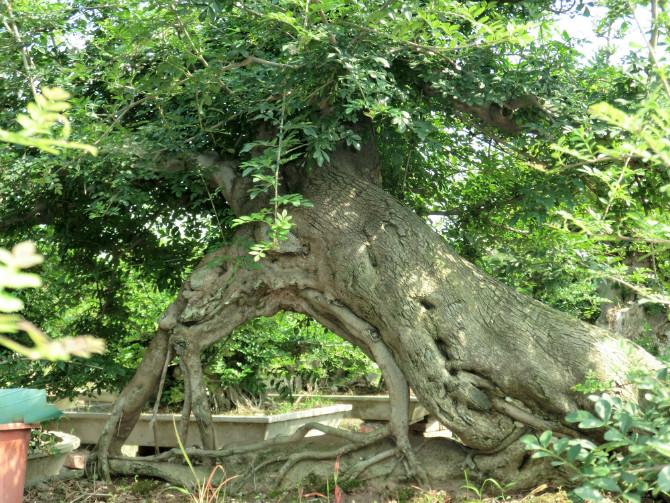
x=488 y=362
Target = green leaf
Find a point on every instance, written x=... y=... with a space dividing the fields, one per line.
x=573 y=452
x=382 y=61
x=607 y=483
x=604 y=409
x=560 y=445
x=591 y=423
x=545 y=438
x=588 y=492
x=662 y=447
x=578 y=415
x=19 y=280
x=614 y=436
x=663 y=479
x=632 y=497
x=55 y=93
x=9 y=304
x=9 y=324
x=530 y=442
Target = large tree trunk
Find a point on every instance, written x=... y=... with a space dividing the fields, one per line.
x=488 y=362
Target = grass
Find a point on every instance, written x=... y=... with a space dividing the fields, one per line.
x=206 y=490
x=480 y=491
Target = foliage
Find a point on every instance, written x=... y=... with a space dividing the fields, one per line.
x=593 y=384
x=264 y=170
x=632 y=169
x=626 y=151
x=486 y=486
x=39 y=125
x=544 y=199
x=289 y=354
x=21 y=257
x=130 y=316
x=42 y=441
x=633 y=460
x=44 y=115
x=300 y=403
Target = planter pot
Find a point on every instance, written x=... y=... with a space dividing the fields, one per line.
x=373 y=407
x=98 y=400
x=14 y=439
x=42 y=466
x=228 y=429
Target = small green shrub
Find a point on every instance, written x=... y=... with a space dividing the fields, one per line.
x=634 y=458
x=42 y=441
x=593 y=384
x=288 y=353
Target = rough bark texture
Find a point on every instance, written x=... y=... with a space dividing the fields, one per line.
x=487 y=361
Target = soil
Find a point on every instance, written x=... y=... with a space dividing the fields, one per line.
x=120 y=490
x=131 y=490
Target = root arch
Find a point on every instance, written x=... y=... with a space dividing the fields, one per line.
x=218 y=299
x=486 y=361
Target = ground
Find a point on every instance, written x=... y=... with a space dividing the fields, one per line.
x=119 y=490
x=129 y=490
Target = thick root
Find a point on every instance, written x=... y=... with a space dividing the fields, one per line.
x=372 y=460
x=128 y=406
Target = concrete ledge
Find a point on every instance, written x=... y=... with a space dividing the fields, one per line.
x=228 y=429
x=373 y=407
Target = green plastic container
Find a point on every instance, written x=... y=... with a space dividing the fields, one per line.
x=21 y=405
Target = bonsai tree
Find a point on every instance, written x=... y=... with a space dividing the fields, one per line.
x=297 y=149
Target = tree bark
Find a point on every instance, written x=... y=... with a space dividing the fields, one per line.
x=488 y=362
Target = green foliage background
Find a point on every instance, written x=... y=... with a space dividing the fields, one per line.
x=566 y=199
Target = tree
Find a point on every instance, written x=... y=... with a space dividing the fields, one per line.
x=337 y=127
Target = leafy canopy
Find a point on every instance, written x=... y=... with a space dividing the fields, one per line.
x=482 y=113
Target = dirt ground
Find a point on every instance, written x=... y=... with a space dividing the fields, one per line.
x=129 y=490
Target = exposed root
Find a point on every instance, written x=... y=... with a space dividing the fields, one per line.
x=97 y=465
x=189 y=353
x=355 y=470
x=176 y=474
x=366 y=336
x=185 y=407
x=128 y=406
x=531 y=420
x=296 y=458
x=283 y=463
x=412 y=466
x=399 y=420
x=159 y=465
x=355 y=441
x=359 y=439
x=157 y=401
x=511 y=439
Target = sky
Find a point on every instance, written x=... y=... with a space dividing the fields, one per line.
x=583 y=27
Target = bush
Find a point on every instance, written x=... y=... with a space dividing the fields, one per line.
x=634 y=458
x=288 y=353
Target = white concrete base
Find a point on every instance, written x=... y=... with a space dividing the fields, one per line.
x=44 y=465
x=227 y=429
x=372 y=407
